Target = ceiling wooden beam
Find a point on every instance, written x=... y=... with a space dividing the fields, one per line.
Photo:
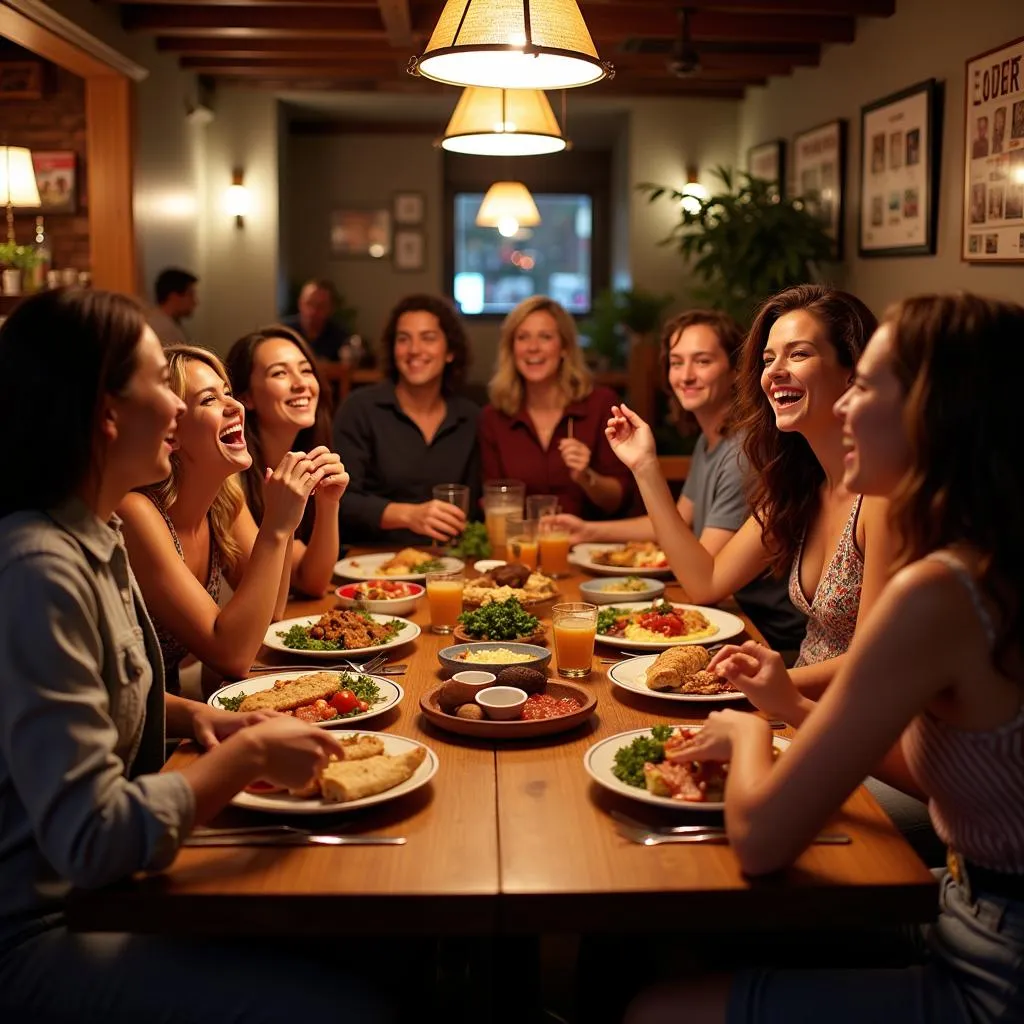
x=846 y=8
x=397 y=21
x=616 y=23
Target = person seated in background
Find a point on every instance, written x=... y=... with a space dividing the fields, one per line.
x=82 y=705
x=699 y=353
x=273 y=374
x=315 y=322
x=413 y=430
x=932 y=688
x=545 y=423
x=176 y=300
x=191 y=530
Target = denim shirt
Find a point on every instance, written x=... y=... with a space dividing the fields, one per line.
x=81 y=717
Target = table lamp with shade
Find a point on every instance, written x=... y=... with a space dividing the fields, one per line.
x=17 y=183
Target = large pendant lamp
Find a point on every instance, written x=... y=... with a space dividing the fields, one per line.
x=511 y=44
x=508 y=206
x=503 y=122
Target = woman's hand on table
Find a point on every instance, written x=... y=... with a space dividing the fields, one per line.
x=760 y=674
x=334 y=480
x=631 y=438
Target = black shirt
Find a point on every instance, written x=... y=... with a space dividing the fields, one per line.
x=326 y=344
x=388 y=459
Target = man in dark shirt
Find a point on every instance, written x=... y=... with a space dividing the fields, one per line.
x=313 y=321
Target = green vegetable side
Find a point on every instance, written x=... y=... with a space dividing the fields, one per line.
x=472 y=543
x=630 y=761
x=362 y=686
x=430 y=565
x=499 y=620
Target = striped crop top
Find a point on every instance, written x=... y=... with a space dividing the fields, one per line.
x=975 y=778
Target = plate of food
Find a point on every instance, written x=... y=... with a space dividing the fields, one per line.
x=339 y=633
x=386 y=597
x=527 y=586
x=326 y=699
x=638 y=764
x=616 y=589
x=551 y=706
x=376 y=767
x=679 y=673
x=499 y=620
x=407 y=564
x=643 y=626
x=637 y=557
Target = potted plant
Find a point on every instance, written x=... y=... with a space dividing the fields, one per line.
x=619 y=320
x=746 y=242
x=18 y=261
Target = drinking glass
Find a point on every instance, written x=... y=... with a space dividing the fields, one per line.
x=444 y=597
x=454 y=494
x=502 y=498
x=553 y=545
x=540 y=505
x=575 y=626
x=521 y=537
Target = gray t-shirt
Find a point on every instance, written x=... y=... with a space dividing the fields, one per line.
x=716 y=485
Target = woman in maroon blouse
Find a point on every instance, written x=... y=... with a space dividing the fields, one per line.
x=545 y=423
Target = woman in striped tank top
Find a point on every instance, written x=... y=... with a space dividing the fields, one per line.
x=930 y=421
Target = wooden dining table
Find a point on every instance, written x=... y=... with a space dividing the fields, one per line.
x=513 y=838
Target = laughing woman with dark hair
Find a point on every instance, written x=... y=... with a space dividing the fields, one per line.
x=82 y=705
x=400 y=437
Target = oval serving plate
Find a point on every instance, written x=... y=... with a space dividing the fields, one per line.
x=285 y=803
x=631 y=675
x=409 y=631
x=519 y=729
x=582 y=555
x=729 y=625
x=367 y=567
x=391 y=692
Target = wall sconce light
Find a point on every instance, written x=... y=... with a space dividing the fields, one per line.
x=237 y=200
x=17 y=182
x=694 y=193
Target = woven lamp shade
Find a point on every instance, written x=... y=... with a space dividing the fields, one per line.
x=503 y=122
x=507 y=201
x=512 y=44
x=17 y=177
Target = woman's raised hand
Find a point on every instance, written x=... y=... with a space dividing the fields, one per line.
x=287 y=489
x=630 y=437
x=334 y=481
x=760 y=674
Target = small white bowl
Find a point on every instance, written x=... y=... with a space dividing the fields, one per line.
x=502 y=703
x=348 y=598
x=487 y=564
x=477 y=681
x=594 y=590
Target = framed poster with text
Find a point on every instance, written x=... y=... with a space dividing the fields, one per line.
x=899 y=157
x=819 y=175
x=993 y=217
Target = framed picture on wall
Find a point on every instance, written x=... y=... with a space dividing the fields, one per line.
x=768 y=162
x=408 y=207
x=56 y=180
x=993 y=213
x=361 y=233
x=21 y=80
x=410 y=250
x=819 y=175
x=899 y=161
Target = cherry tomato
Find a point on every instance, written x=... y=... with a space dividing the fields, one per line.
x=362 y=705
x=344 y=701
x=667 y=625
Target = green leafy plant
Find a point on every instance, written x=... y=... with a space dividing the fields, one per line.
x=616 y=315
x=21 y=257
x=746 y=242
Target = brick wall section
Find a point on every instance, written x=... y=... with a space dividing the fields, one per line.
x=56 y=122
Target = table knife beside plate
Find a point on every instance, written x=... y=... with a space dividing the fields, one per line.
x=291 y=839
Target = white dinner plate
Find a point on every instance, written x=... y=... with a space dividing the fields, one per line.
x=600 y=759
x=391 y=694
x=582 y=555
x=409 y=631
x=283 y=803
x=729 y=625
x=632 y=675
x=367 y=567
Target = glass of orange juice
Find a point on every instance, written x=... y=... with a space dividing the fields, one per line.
x=444 y=596
x=521 y=538
x=553 y=545
x=502 y=498
x=575 y=626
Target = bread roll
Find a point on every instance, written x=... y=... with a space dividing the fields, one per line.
x=672 y=666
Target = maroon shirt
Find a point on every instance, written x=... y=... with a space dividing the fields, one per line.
x=511 y=450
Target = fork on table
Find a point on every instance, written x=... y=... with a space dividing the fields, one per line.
x=646 y=835
x=376 y=665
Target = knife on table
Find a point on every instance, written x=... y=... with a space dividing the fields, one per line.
x=293 y=840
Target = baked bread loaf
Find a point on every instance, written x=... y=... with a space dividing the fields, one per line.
x=671 y=666
x=344 y=781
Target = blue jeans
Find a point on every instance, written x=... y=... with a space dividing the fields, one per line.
x=971 y=972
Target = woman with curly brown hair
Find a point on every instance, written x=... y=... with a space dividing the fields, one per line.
x=273 y=373
x=413 y=430
x=931 y=422
x=798 y=358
